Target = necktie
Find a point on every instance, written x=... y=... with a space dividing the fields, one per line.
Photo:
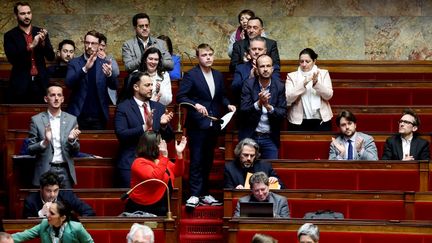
x=350 y=150
x=148 y=117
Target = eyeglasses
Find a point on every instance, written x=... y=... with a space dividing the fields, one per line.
x=142 y=26
x=88 y=43
x=406 y=122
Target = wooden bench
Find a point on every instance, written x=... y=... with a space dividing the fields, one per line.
x=241 y=230
x=108 y=229
x=104 y=201
x=307 y=145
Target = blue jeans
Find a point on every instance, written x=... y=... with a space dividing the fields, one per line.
x=268 y=148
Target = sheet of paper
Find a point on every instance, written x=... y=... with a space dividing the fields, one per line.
x=226 y=119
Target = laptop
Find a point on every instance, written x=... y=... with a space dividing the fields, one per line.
x=256 y=209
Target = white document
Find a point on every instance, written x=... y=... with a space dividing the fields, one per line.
x=226 y=119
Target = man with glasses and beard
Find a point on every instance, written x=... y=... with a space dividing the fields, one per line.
x=26 y=47
x=407 y=145
x=247 y=154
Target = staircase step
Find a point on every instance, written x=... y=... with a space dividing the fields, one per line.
x=201 y=226
x=201 y=238
x=203 y=212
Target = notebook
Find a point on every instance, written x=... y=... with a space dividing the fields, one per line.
x=256 y=209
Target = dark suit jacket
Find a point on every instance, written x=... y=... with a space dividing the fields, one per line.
x=241 y=47
x=241 y=74
x=33 y=203
x=15 y=48
x=250 y=117
x=45 y=155
x=128 y=123
x=236 y=175
x=76 y=80
x=393 y=148
x=194 y=89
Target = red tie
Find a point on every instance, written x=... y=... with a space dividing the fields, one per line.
x=148 y=117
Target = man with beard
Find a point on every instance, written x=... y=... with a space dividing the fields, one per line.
x=53 y=138
x=65 y=53
x=203 y=89
x=350 y=144
x=262 y=108
x=247 y=154
x=26 y=47
x=88 y=77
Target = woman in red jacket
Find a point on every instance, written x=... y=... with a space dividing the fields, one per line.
x=152 y=163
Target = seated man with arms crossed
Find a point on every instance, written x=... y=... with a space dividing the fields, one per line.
x=37 y=204
x=350 y=144
x=261 y=193
x=247 y=154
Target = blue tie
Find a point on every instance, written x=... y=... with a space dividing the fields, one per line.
x=350 y=150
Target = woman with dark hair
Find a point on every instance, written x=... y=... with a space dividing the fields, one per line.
x=176 y=72
x=152 y=163
x=308 y=91
x=151 y=63
x=60 y=226
x=240 y=33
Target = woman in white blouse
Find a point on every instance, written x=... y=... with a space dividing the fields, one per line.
x=308 y=91
x=152 y=65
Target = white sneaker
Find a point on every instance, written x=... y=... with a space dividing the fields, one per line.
x=209 y=200
x=192 y=202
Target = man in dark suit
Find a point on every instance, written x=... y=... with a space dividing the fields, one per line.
x=407 y=145
x=53 y=138
x=247 y=70
x=255 y=27
x=203 y=89
x=37 y=204
x=133 y=117
x=88 y=77
x=262 y=109
x=261 y=193
x=26 y=47
x=247 y=154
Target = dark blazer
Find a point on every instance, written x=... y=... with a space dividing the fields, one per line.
x=33 y=203
x=241 y=74
x=76 y=80
x=250 y=117
x=128 y=123
x=241 y=47
x=45 y=155
x=194 y=89
x=393 y=148
x=236 y=175
x=15 y=48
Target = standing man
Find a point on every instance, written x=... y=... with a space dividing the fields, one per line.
x=88 y=77
x=203 y=88
x=255 y=27
x=26 y=47
x=261 y=193
x=65 y=53
x=247 y=70
x=350 y=144
x=133 y=49
x=37 y=204
x=133 y=117
x=262 y=109
x=247 y=154
x=407 y=145
x=53 y=138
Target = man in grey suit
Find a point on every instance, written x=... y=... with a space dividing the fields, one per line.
x=259 y=182
x=133 y=49
x=53 y=138
x=350 y=144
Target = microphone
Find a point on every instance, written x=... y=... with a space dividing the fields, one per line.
x=126 y=195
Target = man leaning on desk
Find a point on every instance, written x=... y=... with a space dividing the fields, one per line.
x=259 y=182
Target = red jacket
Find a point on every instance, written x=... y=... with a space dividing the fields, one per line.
x=143 y=169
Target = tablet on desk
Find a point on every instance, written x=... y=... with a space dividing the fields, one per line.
x=256 y=209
